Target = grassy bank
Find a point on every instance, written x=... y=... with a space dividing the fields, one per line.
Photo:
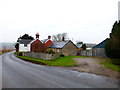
x=111 y=65
x=61 y=61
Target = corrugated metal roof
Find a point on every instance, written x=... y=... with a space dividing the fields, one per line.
x=59 y=44
x=101 y=45
x=44 y=41
x=79 y=45
x=90 y=45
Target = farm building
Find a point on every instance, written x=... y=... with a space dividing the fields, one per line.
x=99 y=49
x=64 y=47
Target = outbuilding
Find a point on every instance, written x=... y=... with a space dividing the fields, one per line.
x=99 y=49
x=68 y=48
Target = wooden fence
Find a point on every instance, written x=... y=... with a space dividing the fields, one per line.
x=96 y=52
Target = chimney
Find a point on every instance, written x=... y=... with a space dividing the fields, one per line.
x=37 y=35
x=63 y=38
x=49 y=37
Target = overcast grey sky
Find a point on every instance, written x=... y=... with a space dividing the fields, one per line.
x=89 y=21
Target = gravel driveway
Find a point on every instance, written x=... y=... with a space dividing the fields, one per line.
x=92 y=65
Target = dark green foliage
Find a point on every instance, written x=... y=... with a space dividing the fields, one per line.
x=16 y=46
x=20 y=53
x=26 y=36
x=62 y=55
x=84 y=46
x=50 y=52
x=112 y=47
x=16 y=53
x=116 y=61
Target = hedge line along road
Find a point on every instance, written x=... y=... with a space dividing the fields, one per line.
x=17 y=73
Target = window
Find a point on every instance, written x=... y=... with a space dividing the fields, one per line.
x=25 y=45
x=58 y=50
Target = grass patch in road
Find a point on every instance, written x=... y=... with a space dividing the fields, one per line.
x=109 y=64
x=61 y=61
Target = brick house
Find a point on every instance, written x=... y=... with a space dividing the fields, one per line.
x=36 y=46
x=63 y=47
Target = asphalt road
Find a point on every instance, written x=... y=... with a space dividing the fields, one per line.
x=20 y=74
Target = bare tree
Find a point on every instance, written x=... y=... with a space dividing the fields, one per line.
x=79 y=42
x=4 y=47
x=59 y=37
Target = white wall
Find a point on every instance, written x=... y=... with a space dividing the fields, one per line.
x=25 y=49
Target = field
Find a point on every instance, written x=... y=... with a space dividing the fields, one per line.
x=5 y=51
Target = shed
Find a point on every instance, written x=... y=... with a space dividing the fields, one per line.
x=99 y=49
x=64 y=47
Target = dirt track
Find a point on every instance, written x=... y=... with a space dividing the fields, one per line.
x=92 y=65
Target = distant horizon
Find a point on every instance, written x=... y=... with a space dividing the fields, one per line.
x=71 y=40
x=89 y=21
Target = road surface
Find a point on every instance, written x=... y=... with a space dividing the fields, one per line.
x=17 y=73
x=0 y=72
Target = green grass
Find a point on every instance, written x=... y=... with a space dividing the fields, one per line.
x=15 y=53
x=109 y=64
x=61 y=61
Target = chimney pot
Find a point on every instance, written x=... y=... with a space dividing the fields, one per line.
x=37 y=35
x=63 y=38
x=49 y=37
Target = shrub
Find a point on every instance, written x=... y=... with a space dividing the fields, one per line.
x=112 y=47
x=50 y=52
x=116 y=61
x=20 y=53
x=84 y=46
x=62 y=55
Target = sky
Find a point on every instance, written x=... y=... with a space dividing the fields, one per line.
x=89 y=21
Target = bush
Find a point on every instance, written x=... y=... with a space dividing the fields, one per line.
x=116 y=61
x=50 y=52
x=111 y=50
x=20 y=53
x=84 y=46
x=112 y=47
x=16 y=53
x=62 y=55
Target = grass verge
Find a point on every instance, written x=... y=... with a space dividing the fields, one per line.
x=109 y=64
x=61 y=61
